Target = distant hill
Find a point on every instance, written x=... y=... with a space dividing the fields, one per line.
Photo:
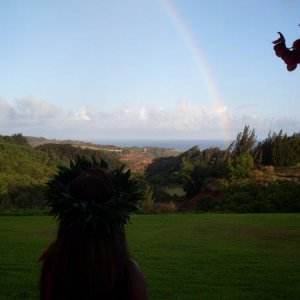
x=37 y=141
x=27 y=163
x=23 y=173
x=64 y=152
x=136 y=158
x=25 y=169
x=23 y=162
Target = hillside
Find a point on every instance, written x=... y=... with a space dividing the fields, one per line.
x=24 y=169
x=24 y=163
x=27 y=163
x=138 y=159
x=23 y=172
x=227 y=179
x=236 y=179
x=38 y=141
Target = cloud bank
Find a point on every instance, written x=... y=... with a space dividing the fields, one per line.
x=185 y=120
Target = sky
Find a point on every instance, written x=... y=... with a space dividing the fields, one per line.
x=146 y=69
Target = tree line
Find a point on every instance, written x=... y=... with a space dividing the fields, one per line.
x=235 y=175
x=231 y=173
x=24 y=170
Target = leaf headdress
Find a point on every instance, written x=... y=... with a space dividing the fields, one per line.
x=71 y=210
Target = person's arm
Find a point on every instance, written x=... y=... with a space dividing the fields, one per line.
x=139 y=283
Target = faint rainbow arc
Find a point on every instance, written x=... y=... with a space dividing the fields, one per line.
x=201 y=62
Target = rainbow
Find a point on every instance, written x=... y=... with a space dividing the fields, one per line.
x=200 y=60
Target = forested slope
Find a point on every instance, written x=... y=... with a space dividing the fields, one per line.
x=24 y=170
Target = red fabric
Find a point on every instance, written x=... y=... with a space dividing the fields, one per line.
x=290 y=57
x=44 y=256
x=48 y=281
x=296 y=45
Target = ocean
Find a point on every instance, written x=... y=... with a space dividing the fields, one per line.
x=181 y=145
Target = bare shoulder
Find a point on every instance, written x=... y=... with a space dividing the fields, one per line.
x=140 y=290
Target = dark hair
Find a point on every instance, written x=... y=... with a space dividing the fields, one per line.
x=92 y=185
x=88 y=263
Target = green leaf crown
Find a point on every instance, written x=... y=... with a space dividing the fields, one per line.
x=70 y=210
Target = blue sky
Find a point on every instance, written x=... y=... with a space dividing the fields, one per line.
x=146 y=69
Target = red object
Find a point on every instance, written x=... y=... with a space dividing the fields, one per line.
x=296 y=45
x=281 y=39
x=44 y=256
x=290 y=57
x=48 y=281
x=291 y=67
x=280 y=49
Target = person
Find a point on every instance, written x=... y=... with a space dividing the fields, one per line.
x=89 y=258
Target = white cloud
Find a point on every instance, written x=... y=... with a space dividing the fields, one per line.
x=185 y=120
x=31 y=108
x=221 y=110
x=80 y=115
x=143 y=114
x=125 y=110
x=6 y=111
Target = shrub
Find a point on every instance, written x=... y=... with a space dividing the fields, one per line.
x=147 y=203
x=241 y=202
x=240 y=167
x=165 y=207
x=207 y=203
x=282 y=196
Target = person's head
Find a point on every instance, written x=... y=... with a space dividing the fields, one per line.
x=89 y=258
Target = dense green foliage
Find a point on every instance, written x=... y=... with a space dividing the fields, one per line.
x=189 y=169
x=164 y=170
x=194 y=168
x=183 y=256
x=240 y=167
x=231 y=173
x=24 y=170
x=279 y=150
x=18 y=139
x=147 y=202
x=209 y=165
x=281 y=196
x=66 y=152
x=244 y=142
x=171 y=179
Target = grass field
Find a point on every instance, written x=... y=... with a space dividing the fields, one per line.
x=184 y=256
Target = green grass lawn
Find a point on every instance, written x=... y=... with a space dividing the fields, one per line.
x=184 y=256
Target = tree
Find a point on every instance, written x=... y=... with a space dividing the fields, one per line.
x=280 y=150
x=244 y=142
x=19 y=139
x=211 y=163
x=147 y=203
x=4 y=196
x=240 y=167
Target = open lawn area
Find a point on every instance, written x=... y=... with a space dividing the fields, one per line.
x=184 y=256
